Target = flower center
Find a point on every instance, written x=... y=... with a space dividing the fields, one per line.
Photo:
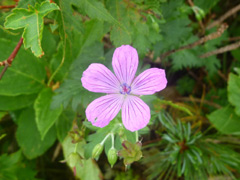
x=125 y=88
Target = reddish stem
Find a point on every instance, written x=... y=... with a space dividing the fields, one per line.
x=9 y=61
x=15 y=51
x=7 y=7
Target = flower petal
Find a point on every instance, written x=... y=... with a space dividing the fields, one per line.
x=125 y=63
x=135 y=113
x=149 y=82
x=102 y=110
x=98 y=78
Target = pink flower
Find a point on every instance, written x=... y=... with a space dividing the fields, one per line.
x=123 y=90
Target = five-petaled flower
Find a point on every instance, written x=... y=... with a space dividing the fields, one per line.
x=123 y=90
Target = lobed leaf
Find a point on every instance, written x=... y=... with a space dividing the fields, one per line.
x=31 y=20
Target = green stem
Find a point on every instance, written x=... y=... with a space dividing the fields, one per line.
x=75 y=149
x=136 y=136
x=112 y=135
x=103 y=141
x=64 y=51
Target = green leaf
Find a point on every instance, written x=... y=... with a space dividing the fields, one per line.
x=25 y=76
x=45 y=116
x=234 y=91
x=29 y=138
x=71 y=89
x=173 y=38
x=64 y=124
x=225 y=120
x=26 y=3
x=73 y=42
x=31 y=20
x=88 y=170
x=119 y=36
x=96 y=9
x=71 y=21
x=10 y=103
x=121 y=31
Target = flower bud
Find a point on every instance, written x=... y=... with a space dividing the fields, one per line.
x=198 y=16
x=97 y=150
x=155 y=26
x=201 y=12
x=112 y=156
x=73 y=159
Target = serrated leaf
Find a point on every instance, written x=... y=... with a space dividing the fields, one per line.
x=185 y=58
x=225 y=120
x=70 y=20
x=31 y=20
x=25 y=76
x=45 y=116
x=119 y=36
x=29 y=138
x=14 y=168
x=96 y=10
x=234 y=91
x=175 y=31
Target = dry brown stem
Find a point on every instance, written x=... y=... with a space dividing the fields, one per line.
x=222 y=50
x=223 y=17
x=204 y=39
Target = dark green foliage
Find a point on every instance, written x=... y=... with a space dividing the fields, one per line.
x=15 y=168
x=186 y=153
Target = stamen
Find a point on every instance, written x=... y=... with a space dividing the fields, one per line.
x=125 y=88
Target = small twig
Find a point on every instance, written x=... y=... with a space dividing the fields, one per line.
x=8 y=7
x=10 y=59
x=204 y=39
x=234 y=38
x=223 y=17
x=222 y=50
